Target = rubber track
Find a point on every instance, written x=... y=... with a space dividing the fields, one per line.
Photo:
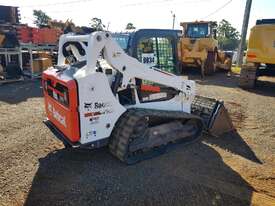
x=124 y=128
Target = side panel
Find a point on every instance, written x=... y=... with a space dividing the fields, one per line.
x=261 y=44
x=99 y=109
x=181 y=102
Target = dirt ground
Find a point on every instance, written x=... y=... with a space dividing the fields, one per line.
x=236 y=169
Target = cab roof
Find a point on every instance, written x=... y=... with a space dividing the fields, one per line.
x=265 y=21
x=198 y=22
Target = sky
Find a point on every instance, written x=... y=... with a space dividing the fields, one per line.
x=145 y=13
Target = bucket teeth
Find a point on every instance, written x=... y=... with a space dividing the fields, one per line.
x=215 y=116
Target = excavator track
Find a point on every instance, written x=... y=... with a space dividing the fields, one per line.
x=141 y=134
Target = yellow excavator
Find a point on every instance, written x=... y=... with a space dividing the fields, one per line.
x=198 y=47
x=261 y=50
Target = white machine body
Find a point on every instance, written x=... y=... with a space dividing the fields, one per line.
x=98 y=61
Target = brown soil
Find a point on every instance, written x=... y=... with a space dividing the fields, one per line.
x=236 y=169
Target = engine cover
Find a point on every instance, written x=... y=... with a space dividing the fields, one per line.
x=84 y=109
x=61 y=103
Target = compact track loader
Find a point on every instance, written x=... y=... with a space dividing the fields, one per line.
x=95 y=97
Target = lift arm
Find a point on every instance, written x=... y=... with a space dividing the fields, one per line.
x=99 y=43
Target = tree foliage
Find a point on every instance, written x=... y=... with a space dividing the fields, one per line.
x=96 y=24
x=41 y=18
x=130 y=26
x=228 y=36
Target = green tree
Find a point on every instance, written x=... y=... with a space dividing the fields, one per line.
x=130 y=26
x=228 y=36
x=41 y=18
x=96 y=24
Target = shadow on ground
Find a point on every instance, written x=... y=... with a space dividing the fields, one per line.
x=264 y=88
x=191 y=175
x=14 y=93
x=235 y=144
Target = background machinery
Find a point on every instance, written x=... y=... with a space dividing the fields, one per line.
x=94 y=97
x=261 y=50
x=198 y=47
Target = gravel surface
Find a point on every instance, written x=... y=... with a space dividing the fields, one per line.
x=236 y=169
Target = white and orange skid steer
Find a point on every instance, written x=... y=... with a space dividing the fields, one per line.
x=96 y=96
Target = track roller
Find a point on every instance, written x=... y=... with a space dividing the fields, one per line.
x=144 y=133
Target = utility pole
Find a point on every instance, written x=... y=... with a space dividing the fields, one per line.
x=174 y=17
x=108 y=26
x=244 y=32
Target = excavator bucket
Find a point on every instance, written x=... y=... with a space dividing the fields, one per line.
x=215 y=116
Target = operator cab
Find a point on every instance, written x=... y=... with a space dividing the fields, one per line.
x=199 y=29
x=153 y=47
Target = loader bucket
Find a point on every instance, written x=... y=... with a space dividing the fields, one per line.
x=215 y=116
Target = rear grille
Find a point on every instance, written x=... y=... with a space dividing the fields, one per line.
x=58 y=92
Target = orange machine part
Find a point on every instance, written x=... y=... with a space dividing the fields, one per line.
x=149 y=88
x=251 y=55
x=65 y=118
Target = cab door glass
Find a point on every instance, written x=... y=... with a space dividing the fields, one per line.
x=166 y=60
x=147 y=52
x=157 y=52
